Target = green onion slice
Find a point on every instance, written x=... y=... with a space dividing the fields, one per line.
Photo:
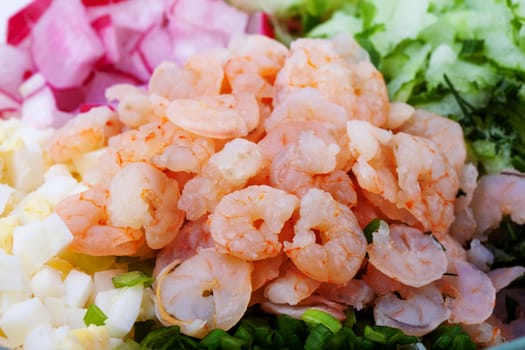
x=315 y=317
x=94 y=316
x=132 y=278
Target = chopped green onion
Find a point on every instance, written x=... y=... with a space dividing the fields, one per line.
x=128 y=345
x=315 y=317
x=373 y=226
x=317 y=337
x=94 y=316
x=472 y=47
x=132 y=278
x=160 y=338
x=375 y=335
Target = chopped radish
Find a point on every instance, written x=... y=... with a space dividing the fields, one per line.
x=65 y=51
x=21 y=24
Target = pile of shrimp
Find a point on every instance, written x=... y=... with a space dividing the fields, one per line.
x=250 y=173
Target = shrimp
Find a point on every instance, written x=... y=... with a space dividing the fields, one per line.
x=161 y=143
x=398 y=114
x=503 y=276
x=314 y=63
x=497 y=196
x=220 y=117
x=266 y=270
x=356 y=293
x=290 y=288
x=254 y=63
x=315 y=302
x=381 y=284
x=339 y=185
x=208 y=290
x=86 y=132
x=226 y=171
x=86 y=216
x=305 y=105
x=338 y=256
x=135 y=107
x=201 y=75
x=420 y=313
x=446 y=133
x=471 y=294
x=463 y=227
x=407 y=171
x=141 y=196
x=193 y=235
x=246 y=223
x=294 y=168
x=408 y=255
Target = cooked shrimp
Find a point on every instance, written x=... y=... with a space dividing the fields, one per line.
x=226 y=171
x=485 y=334
x=408 y=255
x=266 y=270
x=407 y=171
x=342 y=247
x=86 y=132
x=314 y=63
x=339 y=185
x=497 y=196
x=381 y=284
x=503 y=276
x=305 y=105
x=134 y=104
x=479 y=255
x=471 y=294
x=444 y=132
x=246 y=223
x=348 y=48
x=193 y=235
x=220 y=117
x=290 y=288
x=464 y=226
x=254 y=63
x=161 y=143
x=316 y=302
x=294 y=168
x=420 y=313
x=141 y=196
x=209 y=290
x=201 y=75
x=398 y=114
x=86 y=216
x=356 y=293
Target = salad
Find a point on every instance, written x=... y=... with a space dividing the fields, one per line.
x=308 y=193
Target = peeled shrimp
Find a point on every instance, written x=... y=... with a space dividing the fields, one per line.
x=497 y=196
x=316 y=302
x=141 y=196
x=226 y=171
x=503 y=276
x=246 y=223
x=134 y=105
x=220 y=117
x=254 y=63
x=408 y=255
x=420 y=313
x=209 y=290
x=407 y=171
x=201 y=75
x=87 y=217
x=290 y=288
x=471 y=294
x=315 y=63
x=294 y=168
x=444 y=132
x=464 y=226
x=86 y=132
x=342 y=247
x=161 y=143
x=266 y=270
x=193 y=235
x=356 y=293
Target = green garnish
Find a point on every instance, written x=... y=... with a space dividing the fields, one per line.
x=314 y=317
x=94 y=315
x=132 y=278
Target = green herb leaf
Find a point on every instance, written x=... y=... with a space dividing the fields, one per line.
x=132 y=278
x=94 y=315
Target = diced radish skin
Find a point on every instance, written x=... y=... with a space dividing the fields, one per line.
x=260 y=23
x=8 y=102
x=65 y=51
x=154 y=47
x=39 y=109
x=99 y=2
x=96 y=89
x=32 y=85
x=15 y=62
x=21 y=23
x=136 y=15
